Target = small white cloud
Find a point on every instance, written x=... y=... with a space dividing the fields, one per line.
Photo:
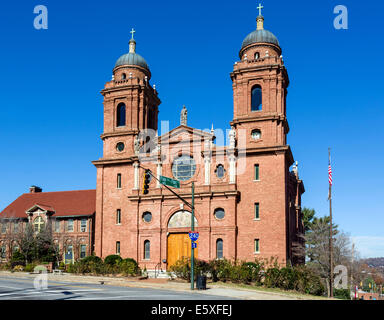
x=369 y=247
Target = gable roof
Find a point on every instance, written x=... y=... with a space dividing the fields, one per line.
x=62 y=203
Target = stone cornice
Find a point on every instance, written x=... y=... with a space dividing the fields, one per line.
x=163 y=197
x=119 y=133
x=106 y=162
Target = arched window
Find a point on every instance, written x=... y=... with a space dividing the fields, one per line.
x=123 y=76
x=256 y=99
x=121 y=115
x=38 y=224
x=147 y=249
x=219 y=249
x=257 y=55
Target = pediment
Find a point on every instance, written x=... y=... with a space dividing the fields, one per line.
x=185 y=133
x=40 y=208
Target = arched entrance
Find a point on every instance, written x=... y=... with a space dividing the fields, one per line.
x=179 y=244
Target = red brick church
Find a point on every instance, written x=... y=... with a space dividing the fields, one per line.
x=247 y=201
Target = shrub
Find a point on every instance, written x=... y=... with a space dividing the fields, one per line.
x=30 y=267
x=92 y=258
x=18 y=268
x=220 y=269
x=129 y=267
x=112 y=259
x=344 y=294
x=17 y=258
x=182 y=268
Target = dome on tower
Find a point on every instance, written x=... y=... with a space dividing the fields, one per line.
x=132 y=58
x=260 y=36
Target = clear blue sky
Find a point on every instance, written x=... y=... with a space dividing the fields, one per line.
x=51 y=107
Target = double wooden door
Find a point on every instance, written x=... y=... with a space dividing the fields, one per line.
x=179 y=246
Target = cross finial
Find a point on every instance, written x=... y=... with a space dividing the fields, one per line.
x=132 y=32
x=260 y=7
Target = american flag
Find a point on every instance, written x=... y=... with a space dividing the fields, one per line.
x=329 y=173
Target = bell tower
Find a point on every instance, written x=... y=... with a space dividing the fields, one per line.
x=260 y=82
x=130 y=103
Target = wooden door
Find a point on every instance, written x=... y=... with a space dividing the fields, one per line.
x=179 y=246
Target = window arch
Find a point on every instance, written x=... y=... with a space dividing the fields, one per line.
x=147 y=249
x=219 y=249
x=256 y=98
x=120 y=115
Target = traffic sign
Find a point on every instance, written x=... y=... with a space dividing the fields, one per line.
x=194 y=245
x=169 y=182
x=193 y=235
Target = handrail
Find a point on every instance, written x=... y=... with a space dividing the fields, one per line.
x=159 y=264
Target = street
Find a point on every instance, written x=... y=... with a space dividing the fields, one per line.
x=22 y=288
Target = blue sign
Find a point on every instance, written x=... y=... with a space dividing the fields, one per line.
x=193 y=235
x=194 y=245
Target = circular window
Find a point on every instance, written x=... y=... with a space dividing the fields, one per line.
x=147 y=216
x=120 y=146
x=219 y=213
x=220 y=171
x=256 y=134
x=183 y=168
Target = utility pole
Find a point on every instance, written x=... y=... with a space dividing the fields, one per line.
x=330 y=228
x=193 y=229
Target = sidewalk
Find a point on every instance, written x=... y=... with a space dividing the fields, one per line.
x=212 y=288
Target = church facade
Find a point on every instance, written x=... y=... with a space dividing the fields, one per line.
x=247 y=200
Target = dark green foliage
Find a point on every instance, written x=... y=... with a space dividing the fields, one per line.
x=182 y=268
x=112 y=265
x=92 y=258
x=129 y=267
x=29 y=267
x=17 y=259
x=112 y=259
x=299 y=279
x=344 y=294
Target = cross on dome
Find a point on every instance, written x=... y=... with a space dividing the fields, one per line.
x=260 y=7
x=133 y=31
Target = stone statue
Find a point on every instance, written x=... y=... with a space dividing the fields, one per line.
x=232 y=137
x=137 y=145
x=183 y=116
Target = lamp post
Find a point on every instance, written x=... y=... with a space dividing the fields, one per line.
x=193 y=229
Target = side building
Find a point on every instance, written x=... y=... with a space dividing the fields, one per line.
x=70 y=214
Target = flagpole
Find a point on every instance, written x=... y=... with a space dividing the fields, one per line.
x=330 y=230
